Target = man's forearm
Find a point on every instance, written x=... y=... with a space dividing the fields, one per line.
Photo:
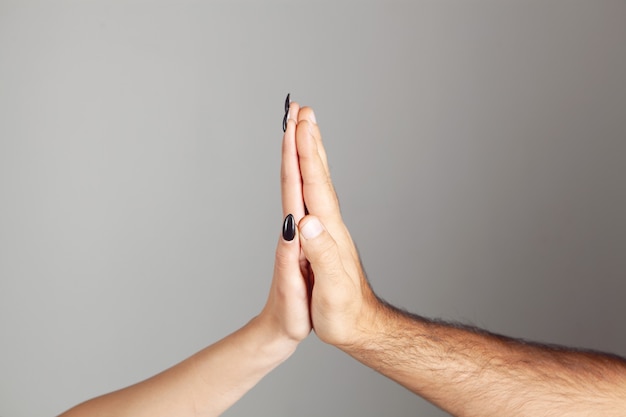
x=466 y=372
x=469 y=372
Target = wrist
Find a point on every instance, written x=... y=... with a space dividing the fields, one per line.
x=373 y=322
x=271 y=342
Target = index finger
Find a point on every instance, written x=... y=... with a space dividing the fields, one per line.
x=291 y=181
x=306 y=113
x=317 y=188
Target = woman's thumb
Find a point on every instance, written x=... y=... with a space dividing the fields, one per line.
x=320 y=249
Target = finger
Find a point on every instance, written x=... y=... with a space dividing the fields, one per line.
x=317 y=189
x=294 y=111
x=291 y=181
x=306 y=113
x=321 y=250
x=288 y=300
x=287 y=264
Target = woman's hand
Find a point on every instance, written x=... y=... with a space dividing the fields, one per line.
x=286 y=313
x=207 y=383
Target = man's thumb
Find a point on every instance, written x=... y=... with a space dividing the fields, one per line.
x=320 y=249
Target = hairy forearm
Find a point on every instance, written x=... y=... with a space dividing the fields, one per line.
x=203 y=385
x=469 y=372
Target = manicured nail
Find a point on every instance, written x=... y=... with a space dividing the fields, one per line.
x=311 y=229
x=286 y=116
x=287 y=103
x=289 y=228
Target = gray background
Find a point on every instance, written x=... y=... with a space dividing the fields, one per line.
x=478 y=148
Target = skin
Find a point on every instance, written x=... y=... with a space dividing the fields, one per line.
x=318 y=281
x=210 y=381
x=463 y=370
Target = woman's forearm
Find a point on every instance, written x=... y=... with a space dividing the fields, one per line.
x=210 y=381
x=205 y=384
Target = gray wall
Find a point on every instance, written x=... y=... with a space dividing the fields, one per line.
x=479 y=150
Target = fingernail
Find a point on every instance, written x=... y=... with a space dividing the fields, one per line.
x=287 y=103
x=286 y=116
x=289 y=228
x=313 y=117
x=312 y=229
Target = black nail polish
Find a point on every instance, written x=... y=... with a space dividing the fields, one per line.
x=289 y=228
x=287 y=104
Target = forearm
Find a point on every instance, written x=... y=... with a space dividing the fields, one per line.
x=234 y=365
x=205 y=384
x=473 y=373
x=466 y=372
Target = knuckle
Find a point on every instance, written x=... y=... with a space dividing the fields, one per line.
x=283 y=259
x=327 y=254
x=324 y=246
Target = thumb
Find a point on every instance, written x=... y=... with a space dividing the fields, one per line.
x=320 y=249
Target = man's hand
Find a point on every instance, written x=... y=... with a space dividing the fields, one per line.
x=465 y=371
x=343 y=307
